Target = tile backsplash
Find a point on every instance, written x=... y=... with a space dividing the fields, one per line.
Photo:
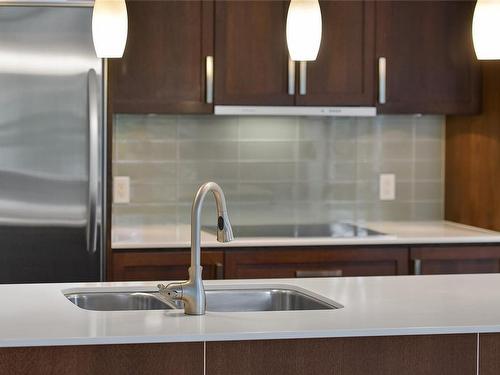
x=279 y=169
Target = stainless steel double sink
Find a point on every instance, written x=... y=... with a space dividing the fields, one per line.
x=279 y=298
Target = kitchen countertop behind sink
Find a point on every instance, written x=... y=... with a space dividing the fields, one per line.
x=393 y=233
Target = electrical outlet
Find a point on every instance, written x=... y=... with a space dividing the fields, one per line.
x=387 y=187
x=121 y=189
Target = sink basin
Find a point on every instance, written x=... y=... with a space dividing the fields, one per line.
x=117 y=301
x=266 y=299
x=218 y=300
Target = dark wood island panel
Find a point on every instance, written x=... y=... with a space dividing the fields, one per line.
x=136 y=359
x=489 y=353
x=391 y=355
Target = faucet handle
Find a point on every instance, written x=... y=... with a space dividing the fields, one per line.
x=172 y=291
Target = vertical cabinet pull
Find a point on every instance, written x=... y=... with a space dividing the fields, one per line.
x=209 y=74
x=417 y=266
x=291 y=77
x=303 y=78
x=382 y=78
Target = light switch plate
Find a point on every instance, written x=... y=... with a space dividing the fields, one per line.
x=387 y=187
x=121 y=189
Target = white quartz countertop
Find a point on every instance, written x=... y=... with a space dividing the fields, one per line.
x=39 y=314
x=416 y=232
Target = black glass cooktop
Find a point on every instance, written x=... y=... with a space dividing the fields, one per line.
x=335 y=230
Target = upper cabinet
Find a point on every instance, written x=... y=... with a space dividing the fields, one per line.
x=427 y=62
x=251 y=57
x=430 y=66
x=253 y=67
x=163 y=69
x=344 y=71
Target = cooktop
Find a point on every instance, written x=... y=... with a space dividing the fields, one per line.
x=335 y=230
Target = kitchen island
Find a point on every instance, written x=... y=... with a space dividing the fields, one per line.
x=427 y=324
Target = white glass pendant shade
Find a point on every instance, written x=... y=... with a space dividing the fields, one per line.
x=303 y=29
x=486 y=29
x=109 y=28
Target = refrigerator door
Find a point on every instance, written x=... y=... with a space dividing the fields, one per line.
x=51 y=146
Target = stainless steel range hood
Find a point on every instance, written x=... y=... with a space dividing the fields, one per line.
x=295 y=111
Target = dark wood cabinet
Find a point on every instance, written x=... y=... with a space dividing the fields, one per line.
x=251 y=55
x=137 y=359
x=344 y=72
x=251 y=58
x=164 y=265
x=489 y=354
x=430 y=62
x=310 y=261
x=431 y=260
x=315 y=261
x=163 y=67
x=391 y=355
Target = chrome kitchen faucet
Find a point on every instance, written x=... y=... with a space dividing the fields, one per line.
x=191 y=292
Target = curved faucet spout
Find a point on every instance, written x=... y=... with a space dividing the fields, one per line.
x=224 y=230
x=192 y=292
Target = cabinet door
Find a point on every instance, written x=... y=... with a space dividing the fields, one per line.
x=164 y=265
x=390 y=355
x=310 y=262
x=430 y=62
x=433 y=260
x=344 y=71
x=251 y=56
x=163 y=67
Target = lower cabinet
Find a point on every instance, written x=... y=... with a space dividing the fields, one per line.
x=307 y=261
x=432 y=260
x=136 y=359
x=391 y=355
x=164 y=265
x=315 y=262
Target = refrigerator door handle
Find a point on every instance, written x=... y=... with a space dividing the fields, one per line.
x=93 y=113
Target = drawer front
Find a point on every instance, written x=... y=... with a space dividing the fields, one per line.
x=315 y=262
x=433 y=260
x=164 y=265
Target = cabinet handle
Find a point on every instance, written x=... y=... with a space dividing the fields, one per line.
x=303 y=77
x=209 y=74
x=291 y=77
x=382 y=77
x=417 y=266
x=219 y=271
x=318 y=273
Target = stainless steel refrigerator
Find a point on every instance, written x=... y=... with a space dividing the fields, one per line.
x=52 y=146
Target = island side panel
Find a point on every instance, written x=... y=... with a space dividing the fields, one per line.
x=137 y=359
x=391 y=355
x=489 y=353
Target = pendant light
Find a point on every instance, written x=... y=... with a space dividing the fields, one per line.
x=486 y=29
x=109 y=28
x=303 y=29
